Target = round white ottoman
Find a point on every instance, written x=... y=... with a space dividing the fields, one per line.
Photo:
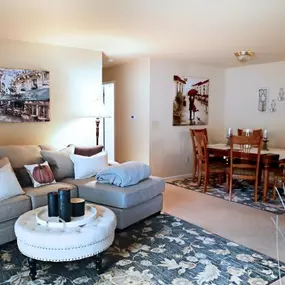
x=65 y=244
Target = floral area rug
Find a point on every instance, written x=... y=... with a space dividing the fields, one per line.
x=162 y=250
x=242 y=193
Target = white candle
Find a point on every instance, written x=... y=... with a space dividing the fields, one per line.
x=229 y=132
x=265 y=134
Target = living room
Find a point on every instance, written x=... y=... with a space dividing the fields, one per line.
x=169 y=229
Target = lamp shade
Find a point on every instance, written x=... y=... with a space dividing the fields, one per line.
x=98 y=110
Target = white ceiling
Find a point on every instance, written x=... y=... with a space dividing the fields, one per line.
x=204 y=31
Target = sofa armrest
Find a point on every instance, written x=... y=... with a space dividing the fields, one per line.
x=88 y=151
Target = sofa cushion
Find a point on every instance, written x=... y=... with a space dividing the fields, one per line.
x=60 y=162
x=47 y=147
x=4 y=161
x=19 y=155
x=23 y=177
x=14 y=207
x=88 y=151
x=39 y=195
x=119 y=197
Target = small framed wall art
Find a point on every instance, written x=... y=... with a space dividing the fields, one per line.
x=191 y=101
x=263 y=99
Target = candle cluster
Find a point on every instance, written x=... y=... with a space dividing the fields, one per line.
x=229 y=132
x=247 y=133
x=61 y=205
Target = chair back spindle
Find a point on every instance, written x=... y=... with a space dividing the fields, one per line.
x=254 y=132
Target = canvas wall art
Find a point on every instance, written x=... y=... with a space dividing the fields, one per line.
x=24 y=95
x=191 y=101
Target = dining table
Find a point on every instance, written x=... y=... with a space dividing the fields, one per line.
x=269 y=159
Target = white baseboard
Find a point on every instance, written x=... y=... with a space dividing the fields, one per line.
x=183 y=176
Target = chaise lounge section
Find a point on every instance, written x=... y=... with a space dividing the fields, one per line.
x=130 y=204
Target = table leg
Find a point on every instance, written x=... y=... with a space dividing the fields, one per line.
x=265 y=182
x=32 y=267
x=98 y=262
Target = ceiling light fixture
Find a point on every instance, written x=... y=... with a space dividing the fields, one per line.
x=244 y=56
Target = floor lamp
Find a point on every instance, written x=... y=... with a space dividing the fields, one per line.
x=98 y=112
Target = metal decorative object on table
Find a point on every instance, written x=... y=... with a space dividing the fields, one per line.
x=229 y=134
x=265 y=144
x=265 y=140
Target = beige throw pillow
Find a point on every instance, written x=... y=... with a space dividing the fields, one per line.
x=60 y=162
x=9 y=186
x=21 y=173
x=4 y=161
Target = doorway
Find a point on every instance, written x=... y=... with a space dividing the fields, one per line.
x=108 y=125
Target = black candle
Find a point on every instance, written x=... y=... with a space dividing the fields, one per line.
x=64 y=205
x=78 y=207
x=53 y=204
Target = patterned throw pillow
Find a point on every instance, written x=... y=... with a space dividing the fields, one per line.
x=40 y=174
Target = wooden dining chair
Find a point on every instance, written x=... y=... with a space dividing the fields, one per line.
x=195 y=151
x=241 y=166
x=204 y=166
x=254 y=132
x=279 y=175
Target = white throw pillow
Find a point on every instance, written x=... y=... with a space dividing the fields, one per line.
x=9 y=185
x=88 y=166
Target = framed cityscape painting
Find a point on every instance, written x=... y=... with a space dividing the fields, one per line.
x=24 y=95
x=191 y=101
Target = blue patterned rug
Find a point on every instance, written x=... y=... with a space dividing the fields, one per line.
x=242 y=193
x=162 y=250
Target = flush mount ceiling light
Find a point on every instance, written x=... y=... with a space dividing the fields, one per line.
x=244 y=56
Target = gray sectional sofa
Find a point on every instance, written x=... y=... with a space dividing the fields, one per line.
x=130 y=204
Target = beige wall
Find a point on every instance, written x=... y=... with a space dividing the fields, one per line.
x=132 y=89
x=75 y=78
x=241 y=100
x=170 y=147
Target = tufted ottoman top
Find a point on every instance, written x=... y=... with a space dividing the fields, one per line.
x=63 y=244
